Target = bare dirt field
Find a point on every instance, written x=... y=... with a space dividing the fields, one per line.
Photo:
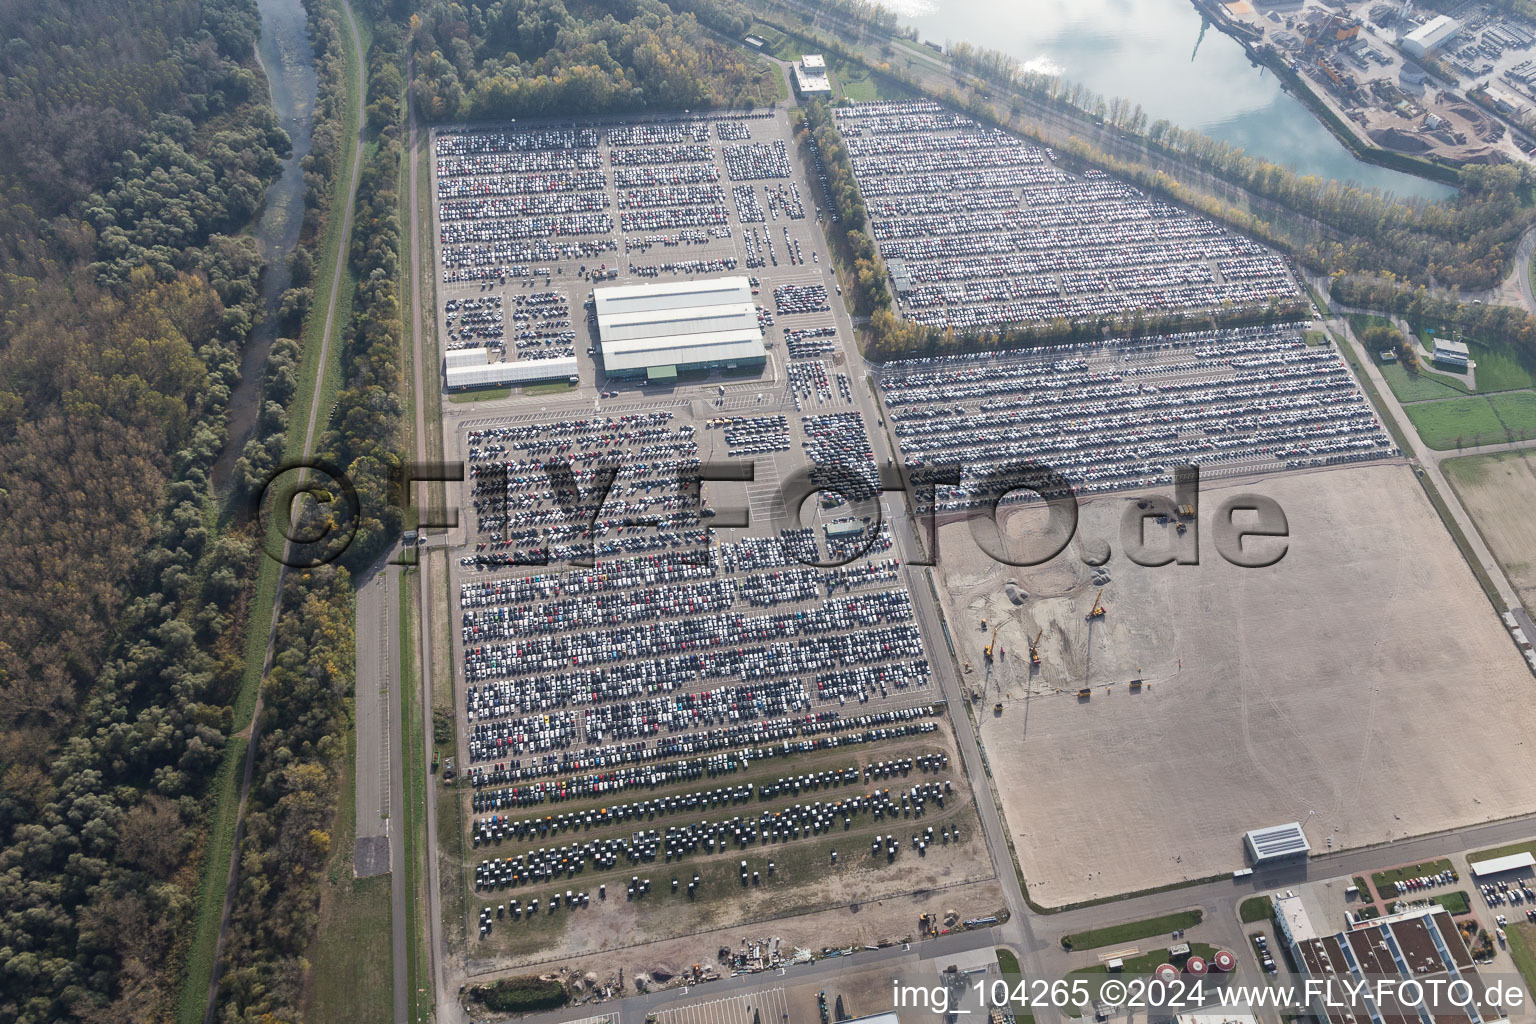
x=1343 y=687
x=1500 y=491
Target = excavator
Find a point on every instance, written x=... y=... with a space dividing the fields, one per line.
x=1098 y=605
x=990 y=644
x=1034 y=648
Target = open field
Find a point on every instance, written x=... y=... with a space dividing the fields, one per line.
x=1475 y=420
x=1308 y=691
x=1499 y=492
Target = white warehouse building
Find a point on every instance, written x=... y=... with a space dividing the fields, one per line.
x=657 y=331
x=465 y=368
x=1429 y=37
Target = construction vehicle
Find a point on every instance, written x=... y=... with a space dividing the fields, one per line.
x=997 y=708
x=1135 y=685
x=1034 y=648
x=1098 y=605
x=988 y=651
x=1085 y=693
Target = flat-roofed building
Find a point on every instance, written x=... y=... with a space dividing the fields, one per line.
x=657 y=331
x=521 y=371
x=1276 y=844
x=1454 y=354
x=1500 y=865
x=810 y=73
x=1422 y=946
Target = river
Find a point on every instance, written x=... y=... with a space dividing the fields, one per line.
x=1163 y=55
x=289 y=64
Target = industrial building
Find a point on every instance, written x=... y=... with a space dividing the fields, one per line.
x=657 y=331
x=465 y=368
x=1453 y=354
x=1431 y=36
x=1276 y=844
x=811 y=76
x=1421 y=944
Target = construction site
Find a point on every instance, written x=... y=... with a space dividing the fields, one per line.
x=1172 y=707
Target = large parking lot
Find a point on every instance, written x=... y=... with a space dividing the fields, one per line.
x=987 y=230
x=698 y=696
x=531 y=218
x=1124 y=414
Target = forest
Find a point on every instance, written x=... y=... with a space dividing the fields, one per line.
x=306 y=696
x=482 y=59
x=138 y=142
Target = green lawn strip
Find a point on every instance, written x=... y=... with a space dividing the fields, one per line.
x=1522 y=950
x=1517 y=413
x=857 y=82
x=1420 y=385
x=1456 y=902
x=553 y=387
x=1007 y=961
x=1314 y=338
x=1256 y=908
x=420 y=986
x=1499 y=369
x=1365 y=890
x=350 y=968
x=479 y=395
x=1385 y=881
x=1475 y=420
x=1526 y=846
x=1167 y=924
x=226 y=786
x=1358 y=322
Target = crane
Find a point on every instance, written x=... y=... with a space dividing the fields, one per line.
x=1098 y=605
x=991 y=643
x=1034 y=648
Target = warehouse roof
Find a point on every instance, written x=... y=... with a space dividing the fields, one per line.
x=1278 y=841
x=628 y=298
x=1434 y=31
x=522 y=371
x=677 y=324
x=466 y=357
x=651 y=323
x=676 y=349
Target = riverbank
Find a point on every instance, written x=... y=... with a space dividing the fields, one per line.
x=1361 y=147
